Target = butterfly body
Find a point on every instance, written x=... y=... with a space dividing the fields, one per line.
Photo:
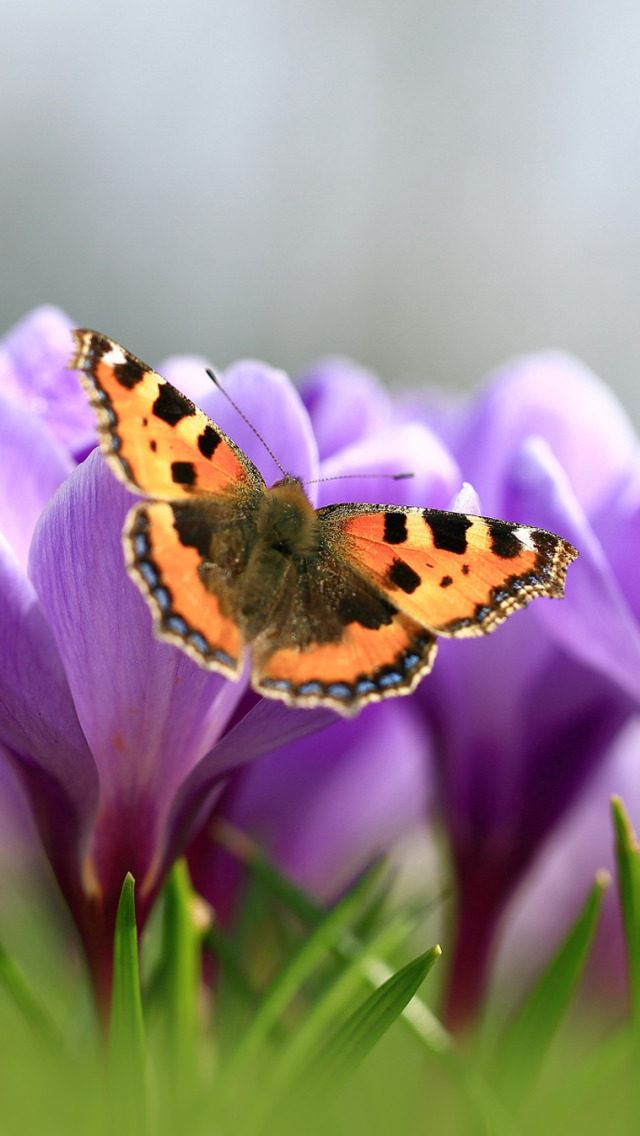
x=339 y=606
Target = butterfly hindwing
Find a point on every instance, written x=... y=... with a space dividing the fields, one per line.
x=167 y=569
x=458 y=575
x=338 y=640
x=155 y=439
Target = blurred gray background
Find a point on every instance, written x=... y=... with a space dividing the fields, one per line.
x=427 y=186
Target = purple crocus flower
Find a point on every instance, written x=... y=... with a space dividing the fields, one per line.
x=121 y=743
x=522 y=719
x=118 y=741
x=323 y=807
x=551 y=895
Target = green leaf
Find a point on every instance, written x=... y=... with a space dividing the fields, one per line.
x=363 y=1029
x=126 y=1033
x=526 y=1041
x=628 y=865
x=181 y=951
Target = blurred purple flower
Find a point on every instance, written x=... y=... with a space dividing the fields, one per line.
x=522 y=719
x=552 y=893
x=323 y=807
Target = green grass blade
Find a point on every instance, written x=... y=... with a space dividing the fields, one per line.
x=182 y=933
x=126 y=1033
x=337 y=998
x=363 y=1029
x=525 y=1042
x=628 y=866
x=299 y=967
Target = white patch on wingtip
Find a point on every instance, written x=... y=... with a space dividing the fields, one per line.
x=114 y=355
x=524 y=536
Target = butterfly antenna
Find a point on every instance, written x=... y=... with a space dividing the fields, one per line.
x=345 y=476
x=214 y=378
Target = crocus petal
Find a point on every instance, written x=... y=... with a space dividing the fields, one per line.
x=39 y=727
x=551 y=895
x=346 y=403
x=33 y=372
x=558 y=398
x=33 y=465
x=148 y=711
x=409 y=448
x=594 y=621
x=268 y=725
x=466 y=501
x=326 y=806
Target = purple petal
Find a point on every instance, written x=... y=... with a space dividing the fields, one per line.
x=558 y=398
x=345 y=402
x=33 y=373
x=466 y=501
x=268 y=725
x=324 y=807
x=409 y=448
x=35 y=462
x=594 y=621
x=148 y=711
x=553 y=892
x=38 y=723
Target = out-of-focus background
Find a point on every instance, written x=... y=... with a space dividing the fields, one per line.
x=428 y=185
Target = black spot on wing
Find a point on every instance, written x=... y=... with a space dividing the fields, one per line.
x=129 y=373
x=98 y=347
x=395 y=528
x=192 y=530
x=153 y=445
x=171 y=406
x=449 y=530
x=465 y=569
x=208 y=442
x=183 y=473
x=446 y=581
x=400 y=575
x=365 y=608
x=504 y=541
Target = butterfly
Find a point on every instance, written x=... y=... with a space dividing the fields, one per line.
x=339 y=606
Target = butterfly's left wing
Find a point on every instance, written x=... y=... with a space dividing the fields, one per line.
x=363 y=625
x=155 y=439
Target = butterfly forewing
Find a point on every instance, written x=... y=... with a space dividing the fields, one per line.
x=156 y=440
x=458 y=575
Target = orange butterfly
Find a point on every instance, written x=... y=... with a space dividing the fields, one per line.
x=341 y=605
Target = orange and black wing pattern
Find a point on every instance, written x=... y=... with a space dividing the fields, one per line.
x=166 y=566
x=458 y=575
x=392 y=580
x=155 y=439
